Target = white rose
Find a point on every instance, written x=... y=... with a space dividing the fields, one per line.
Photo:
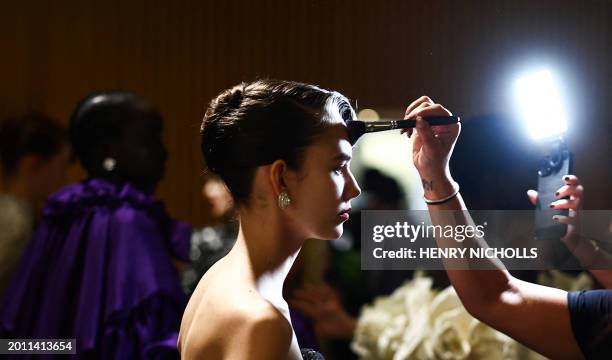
x=488 y=343
x=416 y=322
x=394 y=326
x=457 y=335
x=373 y=322
x=450 y=335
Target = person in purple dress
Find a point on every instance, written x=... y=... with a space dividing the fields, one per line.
x=100 y=267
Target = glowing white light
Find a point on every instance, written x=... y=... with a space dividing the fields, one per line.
x=540 y=105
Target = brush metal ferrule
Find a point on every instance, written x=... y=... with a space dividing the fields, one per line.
x=380 y=126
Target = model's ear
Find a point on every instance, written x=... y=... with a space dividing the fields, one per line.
x=277 y=174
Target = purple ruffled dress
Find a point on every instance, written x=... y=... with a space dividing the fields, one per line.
x=99 y=269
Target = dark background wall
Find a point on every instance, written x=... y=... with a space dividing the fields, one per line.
x=179 y=54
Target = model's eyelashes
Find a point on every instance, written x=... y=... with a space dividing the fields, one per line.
x=343 y=157
x=338 y=170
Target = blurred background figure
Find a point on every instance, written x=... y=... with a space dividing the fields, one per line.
x=211 y=243
x=218 y=196
x=100 y=265
x=34 y=156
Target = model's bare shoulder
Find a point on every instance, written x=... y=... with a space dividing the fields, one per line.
x=264 y=333
x=248 y=329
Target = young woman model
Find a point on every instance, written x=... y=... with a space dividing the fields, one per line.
x=283 y=151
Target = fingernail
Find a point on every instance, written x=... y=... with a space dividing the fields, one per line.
x=566 y=178
x=557 y=193
x=552 y=206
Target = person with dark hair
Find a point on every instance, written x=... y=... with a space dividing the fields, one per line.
x=282 y=149
x=100 y=267
x=34 y=156
x=117 y=137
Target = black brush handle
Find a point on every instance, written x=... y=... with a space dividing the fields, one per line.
x=432 y=121
x=357 y=128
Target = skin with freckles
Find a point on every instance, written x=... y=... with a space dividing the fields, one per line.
x=237 y=310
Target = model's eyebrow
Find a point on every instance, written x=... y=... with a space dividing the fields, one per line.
x=343 y=157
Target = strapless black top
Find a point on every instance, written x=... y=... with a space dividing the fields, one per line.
x=309 y=354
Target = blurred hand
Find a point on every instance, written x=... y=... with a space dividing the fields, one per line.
x=322 y=305
x=572 y=188
x=219 y=198
x=432 y=146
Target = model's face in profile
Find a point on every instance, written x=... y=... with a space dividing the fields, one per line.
x=325 y=185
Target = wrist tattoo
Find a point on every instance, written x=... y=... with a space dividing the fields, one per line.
x=427 y=184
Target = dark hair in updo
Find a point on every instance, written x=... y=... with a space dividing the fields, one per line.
x=99 y=119
x=257 y=123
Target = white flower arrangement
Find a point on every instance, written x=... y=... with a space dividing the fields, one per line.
x=417 y=322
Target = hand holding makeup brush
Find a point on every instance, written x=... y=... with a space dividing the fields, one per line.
x=432 y=147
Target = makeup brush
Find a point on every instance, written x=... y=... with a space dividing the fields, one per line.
x=356 y=128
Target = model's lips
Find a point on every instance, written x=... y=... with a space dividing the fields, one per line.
x=345 y=211
x=344 y=214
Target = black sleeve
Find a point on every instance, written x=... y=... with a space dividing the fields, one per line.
x=591 y=318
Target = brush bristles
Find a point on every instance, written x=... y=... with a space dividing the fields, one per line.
x=355 y=129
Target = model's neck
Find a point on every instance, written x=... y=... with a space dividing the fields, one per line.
x=269 y=248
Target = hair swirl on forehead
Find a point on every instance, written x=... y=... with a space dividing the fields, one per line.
x=256 y=123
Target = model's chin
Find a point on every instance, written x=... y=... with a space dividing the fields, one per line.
x=331 y=234
x=338 y=231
